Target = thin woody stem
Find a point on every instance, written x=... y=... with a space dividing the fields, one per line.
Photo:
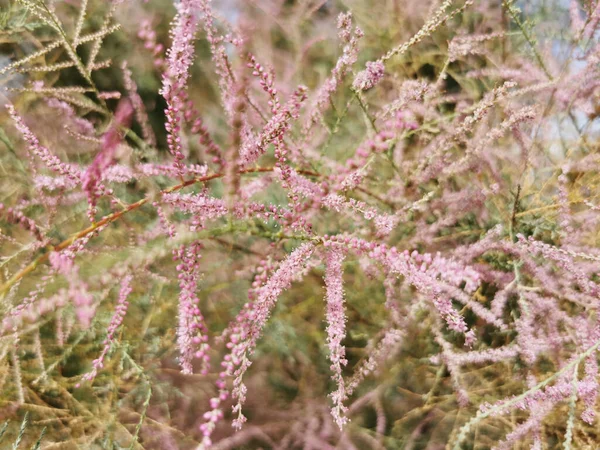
x=110 y=218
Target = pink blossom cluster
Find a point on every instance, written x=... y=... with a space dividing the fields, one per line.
x=192 y=335
x=115 y=323
x=369 y=77
x=336 y=330
x=244 y=334
x=111 y=139
x=179 y=59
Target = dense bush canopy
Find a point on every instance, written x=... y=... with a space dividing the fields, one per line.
x=299 y=224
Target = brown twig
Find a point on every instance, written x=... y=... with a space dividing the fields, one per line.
x=110 y=218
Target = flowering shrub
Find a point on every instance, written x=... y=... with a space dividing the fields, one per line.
x=373 y=227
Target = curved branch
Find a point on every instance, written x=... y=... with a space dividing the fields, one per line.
x=110 y=218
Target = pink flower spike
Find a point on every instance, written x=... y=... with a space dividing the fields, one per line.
x=336 y=330
x=115 y=323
